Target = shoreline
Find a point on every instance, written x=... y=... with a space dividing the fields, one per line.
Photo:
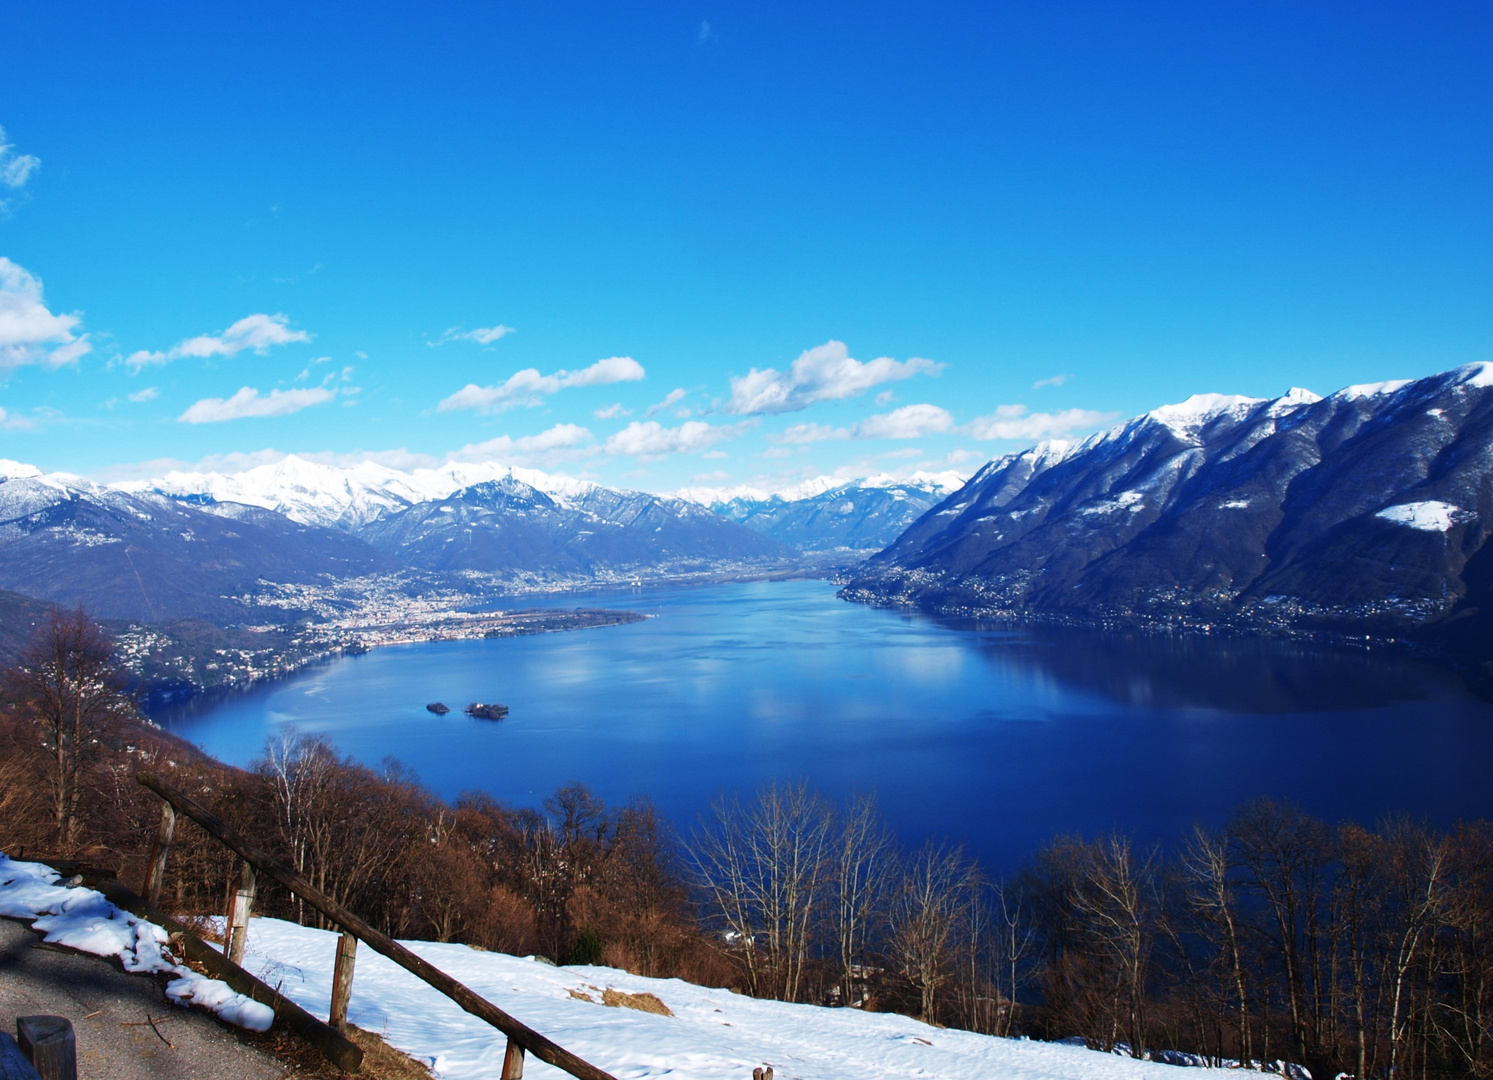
x=164 y=693
x=1475 y=674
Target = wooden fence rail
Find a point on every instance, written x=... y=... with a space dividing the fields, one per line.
x=521 y=1037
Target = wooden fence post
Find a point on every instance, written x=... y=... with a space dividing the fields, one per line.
x=526 y=1038
x=155 y=872
x=342 y=980
x=238 y=920
x=49 y=1042
x=513 y=1061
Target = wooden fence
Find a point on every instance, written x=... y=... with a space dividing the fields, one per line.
x=521 y=1038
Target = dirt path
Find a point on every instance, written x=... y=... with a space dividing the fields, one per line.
x=109 y=1010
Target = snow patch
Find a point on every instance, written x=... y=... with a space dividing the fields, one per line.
x=1430 y=516
x=82 y=919
x=1478 y=374
x=1373 y=389
x=714 y=1034
x=1125 y=500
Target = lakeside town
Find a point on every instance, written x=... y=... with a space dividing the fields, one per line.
x=177 y=661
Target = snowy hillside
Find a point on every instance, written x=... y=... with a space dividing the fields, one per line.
x=705 y=1034
x=712 y=1034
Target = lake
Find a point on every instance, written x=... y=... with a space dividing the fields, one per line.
x=994 y=736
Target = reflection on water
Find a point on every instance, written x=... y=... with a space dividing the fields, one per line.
x=995 y=735
x=1197 y=671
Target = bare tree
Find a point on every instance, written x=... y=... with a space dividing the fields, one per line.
x=1209 y=896
x=69 y=685
x=1416 y=879
x=762 y=869
x=926 y=913
x=1117 y=904
x=1286 y=855
x=865 y=863
x=342 y=824
x=1017 y=943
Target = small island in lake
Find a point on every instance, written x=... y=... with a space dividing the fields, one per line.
x=486 y=712
x=440 y=708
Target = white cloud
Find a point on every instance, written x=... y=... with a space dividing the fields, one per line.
x=824 y=373
x=611 y=412
x=1055 y=380
x=306 y=371
x=908 y=422
x=15 y=169
x=483 y=335
x=249 y=402
x=258 y=332
x=648 y=439
x=960 y=455
x=29 y=333
x=150 y=393
x=1013 y=422
x=674 y=397
x=801 y=434
x=886 y=397
x=563 y=442
x=11 y=422
x=528 y=387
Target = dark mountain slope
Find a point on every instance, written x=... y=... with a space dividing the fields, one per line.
x=20 y=617
x=151 y=558
x=1359 y=511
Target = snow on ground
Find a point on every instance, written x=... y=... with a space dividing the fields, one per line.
x=1429 y=516
x=82 y=919
x=713 y=1034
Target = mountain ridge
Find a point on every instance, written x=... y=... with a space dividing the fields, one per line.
x=1362 y=510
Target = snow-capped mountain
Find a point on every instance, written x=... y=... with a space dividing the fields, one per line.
x=343 y=497
x=146 y=556
x=507 y=525
x=826 y=514
x=1368 y=508
x=186 y=545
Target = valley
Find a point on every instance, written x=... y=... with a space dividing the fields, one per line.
x=1358 y=516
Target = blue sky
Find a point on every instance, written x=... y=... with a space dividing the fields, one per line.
x=567 y=235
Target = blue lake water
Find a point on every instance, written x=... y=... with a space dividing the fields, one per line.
x=993 y=736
